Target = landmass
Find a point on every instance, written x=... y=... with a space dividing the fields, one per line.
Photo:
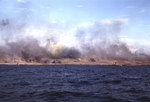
x=79 y=61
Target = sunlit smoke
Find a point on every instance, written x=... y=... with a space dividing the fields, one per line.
x=23 y=39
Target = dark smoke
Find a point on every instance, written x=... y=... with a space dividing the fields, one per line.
x=70 y=53
x=96 y=42
x=101 y=41
x=30 y=50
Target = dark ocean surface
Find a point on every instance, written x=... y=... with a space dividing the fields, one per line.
x=74 y=83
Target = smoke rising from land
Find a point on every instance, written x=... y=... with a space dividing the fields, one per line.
x=27 y=37
x=98 y=40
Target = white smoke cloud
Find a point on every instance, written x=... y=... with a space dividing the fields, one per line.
x=90 y=39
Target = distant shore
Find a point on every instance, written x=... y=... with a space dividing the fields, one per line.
x=79 y=61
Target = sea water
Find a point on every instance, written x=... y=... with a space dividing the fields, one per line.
x=74 y=83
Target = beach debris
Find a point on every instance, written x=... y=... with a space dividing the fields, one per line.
x=56 y=61
x=92 y=60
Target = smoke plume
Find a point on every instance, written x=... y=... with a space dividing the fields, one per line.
x=23 y=38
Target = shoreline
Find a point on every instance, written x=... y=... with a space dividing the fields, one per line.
x=105 y=64
x=81 y=61
x=72 y=64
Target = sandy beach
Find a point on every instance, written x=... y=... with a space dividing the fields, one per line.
x=80 y=61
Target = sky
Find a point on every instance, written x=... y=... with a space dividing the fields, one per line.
x=66 y=16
